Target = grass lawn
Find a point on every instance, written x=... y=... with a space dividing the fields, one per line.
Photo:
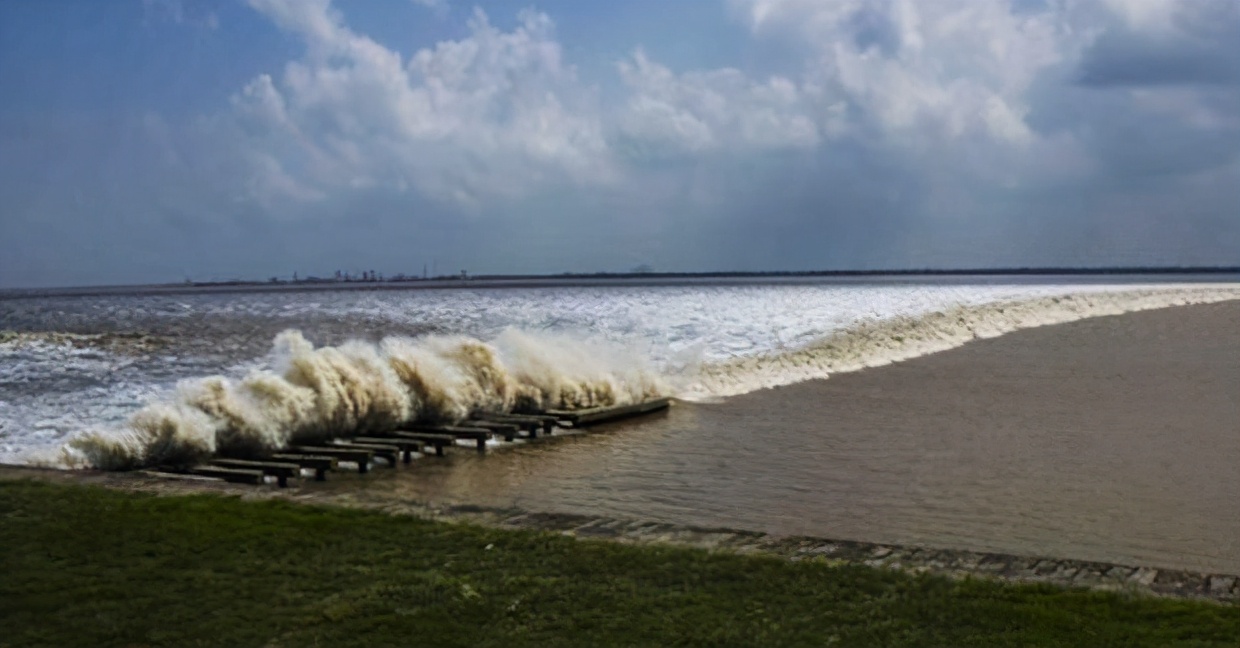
x=87 y=566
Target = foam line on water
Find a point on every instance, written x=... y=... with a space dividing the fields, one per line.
x=879 y=342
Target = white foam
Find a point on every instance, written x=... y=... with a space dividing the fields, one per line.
x=562 y=347
x=881 y=341
x=318 y=393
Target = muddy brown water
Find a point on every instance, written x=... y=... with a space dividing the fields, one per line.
x=1114 y=439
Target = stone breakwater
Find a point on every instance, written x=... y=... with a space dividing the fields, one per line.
x=953 y=563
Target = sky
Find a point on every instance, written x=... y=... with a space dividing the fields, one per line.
x=163 y=140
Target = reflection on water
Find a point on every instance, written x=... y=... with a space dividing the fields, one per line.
x=1070 y=441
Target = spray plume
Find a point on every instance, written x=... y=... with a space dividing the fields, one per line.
x=312 y=394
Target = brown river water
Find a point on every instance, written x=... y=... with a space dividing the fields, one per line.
x=1113 y=439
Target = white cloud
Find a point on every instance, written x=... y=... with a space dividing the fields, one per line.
x=921 y=72
x=941 y=89
x=700 y=111
x=501 y=114
x=490 y=115
x=975 y=131
x=1147 y=15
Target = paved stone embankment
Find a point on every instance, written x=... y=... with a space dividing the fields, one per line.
x=1224 y=588
x=948 y=562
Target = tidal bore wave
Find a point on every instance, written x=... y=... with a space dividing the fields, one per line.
x=312 y=394
x=880 y=342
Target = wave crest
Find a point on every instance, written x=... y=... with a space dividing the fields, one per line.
x=879 y=342
x=314 y=394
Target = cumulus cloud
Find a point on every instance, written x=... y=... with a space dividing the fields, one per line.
x=925 y=72
x=1146 y=15
x=701 y=111
x=501 y=114
x=494 y=114
x=1161 y=94
x=947 y=85
x=833 y=133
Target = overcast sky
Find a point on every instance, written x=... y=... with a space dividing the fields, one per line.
x=158 y=140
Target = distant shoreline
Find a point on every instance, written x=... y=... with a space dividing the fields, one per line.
x=1200 y=273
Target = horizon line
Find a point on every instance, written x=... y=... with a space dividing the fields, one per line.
x=403 y=280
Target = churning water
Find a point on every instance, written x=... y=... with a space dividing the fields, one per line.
x=126 y=380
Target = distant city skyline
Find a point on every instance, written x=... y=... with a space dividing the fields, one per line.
x=153 y=141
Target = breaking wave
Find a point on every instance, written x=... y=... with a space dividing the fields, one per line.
x=884 y=341
x=311 y=394
x=306 y=394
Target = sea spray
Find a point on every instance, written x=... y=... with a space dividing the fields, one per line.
x=174 y=434
x=311 y=394
x=259 y=414
x=439 y=390
x=355 y=389
x=314 y=394
x=486 y=383
x=557 y=372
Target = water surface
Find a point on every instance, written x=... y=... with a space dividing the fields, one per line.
x=1110 y=439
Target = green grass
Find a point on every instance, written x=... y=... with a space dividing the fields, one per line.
x=92 y=567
